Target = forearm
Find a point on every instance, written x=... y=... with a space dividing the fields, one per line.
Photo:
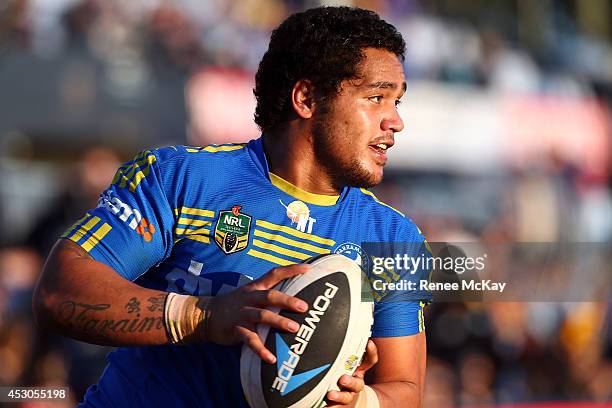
x=399 y=377
x=89 y=301
x=397 y=394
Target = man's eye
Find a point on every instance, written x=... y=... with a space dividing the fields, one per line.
x=376 y=98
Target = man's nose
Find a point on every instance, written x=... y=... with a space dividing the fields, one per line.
x=392 y=121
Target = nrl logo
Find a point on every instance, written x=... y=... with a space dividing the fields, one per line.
x=232 y=230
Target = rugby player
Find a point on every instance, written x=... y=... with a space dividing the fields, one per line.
x=177 y=263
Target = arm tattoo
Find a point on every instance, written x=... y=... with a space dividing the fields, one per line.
x=156 y=303
x=133 y=306
x=85 y=317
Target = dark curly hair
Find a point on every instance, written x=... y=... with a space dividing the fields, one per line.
x=324 y=45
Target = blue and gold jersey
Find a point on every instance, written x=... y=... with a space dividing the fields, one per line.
x=205 y=220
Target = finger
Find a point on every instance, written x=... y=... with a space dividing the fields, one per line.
x=369 y=360
x=277 y=299
x=275 y=275
x=263 y=316
x=350 y=384
x=251 y=339
x=340 y=397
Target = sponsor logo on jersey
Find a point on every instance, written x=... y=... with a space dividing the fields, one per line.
x=129 y=215
x=232 y=230
x=355 y=253
x=146 y=229
x=198 y=282
x=299 y=214
x=289 y=356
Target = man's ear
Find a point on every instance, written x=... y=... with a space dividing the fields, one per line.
x=302 y=98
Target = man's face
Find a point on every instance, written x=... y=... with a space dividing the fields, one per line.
x=355 y=129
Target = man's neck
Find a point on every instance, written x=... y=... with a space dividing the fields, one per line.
x=291 y=156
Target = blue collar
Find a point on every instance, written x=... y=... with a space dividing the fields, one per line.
x=256 y=150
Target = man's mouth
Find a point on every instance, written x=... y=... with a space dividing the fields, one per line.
x=380 y=147
x=380 y=150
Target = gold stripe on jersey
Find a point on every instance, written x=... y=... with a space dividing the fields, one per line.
x=216 y=148
x=133 y=173
x=377 y=296
x=371 y=194
x=280 y=250
x=96 y=237
x=288 y=241
x=199 y=238
x=389 y=275
x=130 y=170
x=193 y=222
x=80 y=233
x=427 y=246
x=299 y=234
x=194 y=211
x=75 y=225
x=187 y=231
x=421 y=317
x=189 y=227
x=269 y=257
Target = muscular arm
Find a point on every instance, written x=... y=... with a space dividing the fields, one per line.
x=81 y=298
x=87 y=300
x=399 y=376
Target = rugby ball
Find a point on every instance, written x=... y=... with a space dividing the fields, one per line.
x=330 y=342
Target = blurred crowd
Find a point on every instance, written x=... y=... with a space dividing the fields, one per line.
x=76 y=75
x=482 y=353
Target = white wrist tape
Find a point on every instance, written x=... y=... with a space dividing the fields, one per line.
x=186 y=318
x=369 y=399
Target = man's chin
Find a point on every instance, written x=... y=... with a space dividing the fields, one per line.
x=376 y=176
x=366 y=179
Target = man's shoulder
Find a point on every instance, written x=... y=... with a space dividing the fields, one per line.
x=179 y=165
x=212 y=152
x=394 y=219
x=201 y=161
x=375 y=205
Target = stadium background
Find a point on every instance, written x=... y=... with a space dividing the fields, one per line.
x=507 y=138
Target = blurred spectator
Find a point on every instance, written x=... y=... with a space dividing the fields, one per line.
x=505 y=69
x=78 y=21
x=90 y=177
x=19 y=270
x=440 y=384
x=173 y=40
x=477 y=374
x=14 y=28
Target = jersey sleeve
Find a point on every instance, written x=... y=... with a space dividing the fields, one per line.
x=130 y=230
x=399 y=311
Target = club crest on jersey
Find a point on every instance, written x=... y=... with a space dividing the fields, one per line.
x=299 y=214
x=354 y=252
x=232 y=230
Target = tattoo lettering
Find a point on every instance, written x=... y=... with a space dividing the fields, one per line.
x=83 y=315
x=133 y=306
x=156 y=303
x=68 y=309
